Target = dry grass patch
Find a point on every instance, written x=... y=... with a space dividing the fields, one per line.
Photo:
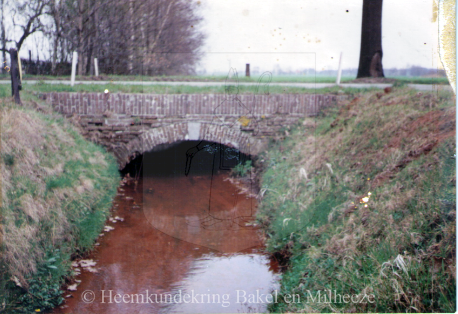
x=54 y=203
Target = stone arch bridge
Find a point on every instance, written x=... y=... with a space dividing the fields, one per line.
x=132 y=124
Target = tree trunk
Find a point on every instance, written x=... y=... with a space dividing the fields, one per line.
x=130 y=64
x=3 y=37
x=15 y=83
x=89 y=60
x=370 y=58
x=95 y=22
x=54 y=56
x=80 y=37
x=56 y=16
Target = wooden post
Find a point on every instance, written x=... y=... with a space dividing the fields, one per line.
x=29 y=65
x=339 y=72
x=20 y=70
x=96 y=67
x=247 y=70
x=15 y=81
x=75 y=58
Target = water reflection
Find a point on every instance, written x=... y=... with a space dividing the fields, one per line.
x=180 y=235
x=221 y=220
x=226 y=284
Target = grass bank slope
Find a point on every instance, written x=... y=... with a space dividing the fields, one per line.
x=57 y=189
x=361 y=202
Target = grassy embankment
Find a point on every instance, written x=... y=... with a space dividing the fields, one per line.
x=392 y=152
x=57 y=190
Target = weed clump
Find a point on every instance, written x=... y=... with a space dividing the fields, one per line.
x=242 y=169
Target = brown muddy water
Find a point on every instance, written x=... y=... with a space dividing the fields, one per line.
x=180 y=244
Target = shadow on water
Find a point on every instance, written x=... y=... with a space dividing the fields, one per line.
x=187 y=244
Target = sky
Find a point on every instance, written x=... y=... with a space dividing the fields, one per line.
x=294 y=34
x=300 y=34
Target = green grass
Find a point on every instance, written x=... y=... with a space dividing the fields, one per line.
x=222 y=78
x=421 y=80
x=5 y=90
x=58 y=189
x=314 y=180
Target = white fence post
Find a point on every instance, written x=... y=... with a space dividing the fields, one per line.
x=96 y=67
x=75 y=57
x=339 y=72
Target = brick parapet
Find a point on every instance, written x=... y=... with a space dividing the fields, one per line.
x=131 y=124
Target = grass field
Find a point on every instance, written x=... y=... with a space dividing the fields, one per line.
x=422 y=80
x=222 y=78
x=5 y=89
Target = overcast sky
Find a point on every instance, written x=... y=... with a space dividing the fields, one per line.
x=301 y=33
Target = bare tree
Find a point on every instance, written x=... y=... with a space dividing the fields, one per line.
x=85 y=11
x=152 y=37
x=25 y=19
x=128 y=36
x=3 y=34
x=371 y=53
x=57 y=14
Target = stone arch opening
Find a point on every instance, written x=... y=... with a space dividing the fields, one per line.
x=173 y=160
x=163 y=137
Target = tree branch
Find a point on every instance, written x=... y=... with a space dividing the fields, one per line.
x=27 y=31
x=162 y=25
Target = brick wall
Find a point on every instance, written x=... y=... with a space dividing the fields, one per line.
x=131 y=124
x=167 y=105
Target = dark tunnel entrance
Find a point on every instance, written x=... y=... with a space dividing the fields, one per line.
x=189 y=158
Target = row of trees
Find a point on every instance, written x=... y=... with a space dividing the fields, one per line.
x=150 y=37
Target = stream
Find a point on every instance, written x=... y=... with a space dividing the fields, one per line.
x=180 y=244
